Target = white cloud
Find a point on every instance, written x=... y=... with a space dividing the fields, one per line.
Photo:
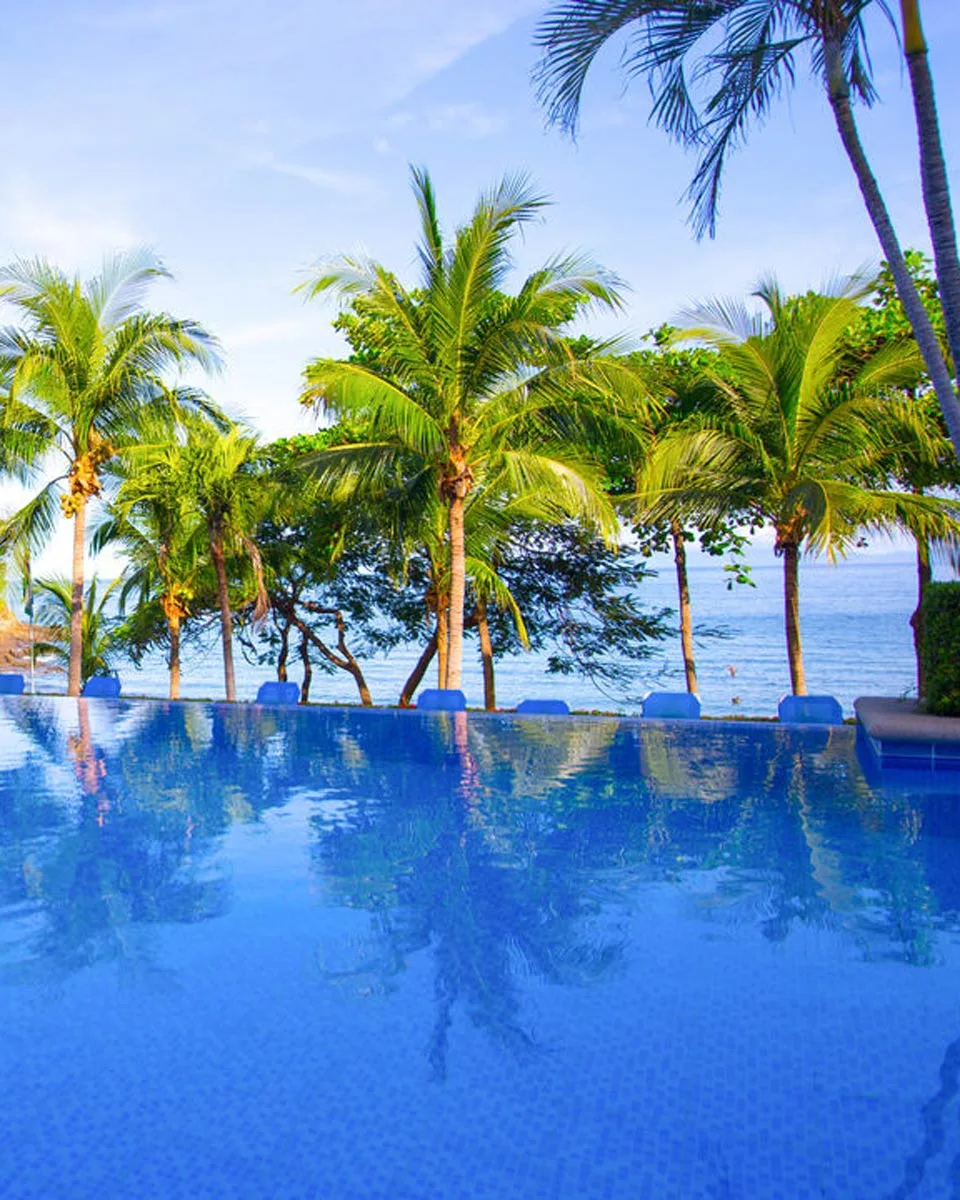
x=74 y=235
x=349 y=184
x=466 y=120
x=473 y=27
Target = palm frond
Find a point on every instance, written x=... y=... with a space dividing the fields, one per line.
x=117 y=293
x=351 y=390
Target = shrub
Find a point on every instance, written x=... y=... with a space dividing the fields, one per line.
x=941 y=648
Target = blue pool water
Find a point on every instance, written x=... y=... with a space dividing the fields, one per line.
x=365 y=954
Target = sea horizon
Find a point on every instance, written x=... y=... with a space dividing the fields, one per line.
x=854 y=620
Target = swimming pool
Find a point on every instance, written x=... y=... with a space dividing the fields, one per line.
x=326 y=953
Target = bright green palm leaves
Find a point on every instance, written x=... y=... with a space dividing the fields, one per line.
x=78 y=374
x=202 y=483
x=152 y=523
x=102 y=642
x=790 y=441
x=469 y=387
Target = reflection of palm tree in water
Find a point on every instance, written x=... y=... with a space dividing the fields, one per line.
x=115 y=864
x=442 y=870
x=934 y=1131
x=89 y=764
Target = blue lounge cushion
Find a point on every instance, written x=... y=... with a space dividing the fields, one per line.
x=441 y=700
x=103 y=687
x=550 y=708
x=684 y=706
x=810 y=710
x=275 y=692
x=11 y=685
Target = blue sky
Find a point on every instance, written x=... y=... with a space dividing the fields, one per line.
x=246 y=140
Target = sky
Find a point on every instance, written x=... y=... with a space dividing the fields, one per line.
x=245 y=142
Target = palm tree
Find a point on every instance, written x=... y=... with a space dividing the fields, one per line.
x=790 y=441
x=679 y=385
x=214 y=472
x=165 y=561
x=739 y=55
x=77 y=375
x=102 y=642
x=467 y=381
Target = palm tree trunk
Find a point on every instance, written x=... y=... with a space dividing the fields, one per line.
x=923 y=331
x=924 y=576
x=307 y=671
x=284 y=653
x=791 y=608
x=226 y=620
x=418 y=672
x=75 y=667
x=173 y=625
x=933 y=173
x=458 y=589
x=443 y=642
x=486 y=657
x=683 y=590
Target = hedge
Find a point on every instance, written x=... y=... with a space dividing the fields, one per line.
x=941 y=648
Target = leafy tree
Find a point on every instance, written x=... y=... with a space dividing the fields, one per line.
x=323 y=567
x=791 y=441
x=102 y=642
x=164 y=572
x=468 y=385
x=78 y=375
x=680 y=383
x=916 y=465
x=150 y=521
x=578 y=600
x=714 y=66
x=207 y=478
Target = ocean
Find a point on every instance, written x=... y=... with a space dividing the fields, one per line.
x=854 y=620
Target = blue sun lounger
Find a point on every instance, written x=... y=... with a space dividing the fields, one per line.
x=441 y=700
x=11 y=685
x=276 y=692
x=546 y=708
x=101 y=687
x=810 y=710
x=684 y=706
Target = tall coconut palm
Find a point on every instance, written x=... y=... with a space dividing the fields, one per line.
x=714 y=66
x=791 y=440
x=216 y=473
x=466 y=378
x=78 y=373
x=164 y=555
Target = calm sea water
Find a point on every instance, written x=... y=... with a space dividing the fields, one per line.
x=857 y=641
x=388 y=956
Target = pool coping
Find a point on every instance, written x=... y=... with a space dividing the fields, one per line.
x=901 y=734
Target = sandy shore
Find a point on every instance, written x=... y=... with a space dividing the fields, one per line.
x=15 y=645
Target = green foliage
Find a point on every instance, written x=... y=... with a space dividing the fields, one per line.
x=579 y=604
x=884 y=320
x=913 y=463
x=459 y=388
x=83 y=371
x=941 y=648
x=796 y=455
x=102 y=639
